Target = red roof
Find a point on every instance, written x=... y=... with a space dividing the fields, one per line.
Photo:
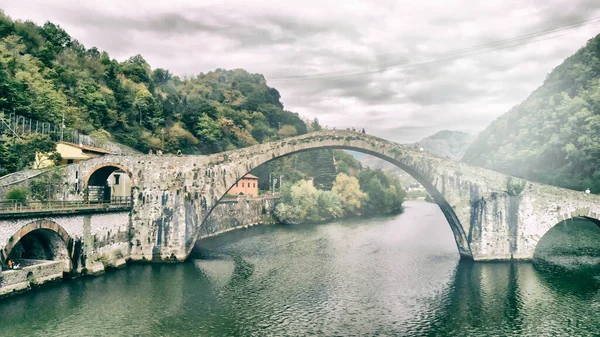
x=250 y=176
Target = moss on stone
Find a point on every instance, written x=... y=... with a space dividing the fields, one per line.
x=515 y=186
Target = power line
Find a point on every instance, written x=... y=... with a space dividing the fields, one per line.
x=459 y=53
x=452 y=55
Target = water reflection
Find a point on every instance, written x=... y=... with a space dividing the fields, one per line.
x=517 y=299
x=387 y=276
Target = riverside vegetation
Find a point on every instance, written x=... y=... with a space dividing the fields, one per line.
x=373 y=192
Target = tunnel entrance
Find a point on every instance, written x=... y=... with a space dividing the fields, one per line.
x=40 y=245
x=109 y=183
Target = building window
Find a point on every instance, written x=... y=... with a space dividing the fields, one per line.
x=117 y=178
x=242 y=184
x=236 y=184
x=254 y=185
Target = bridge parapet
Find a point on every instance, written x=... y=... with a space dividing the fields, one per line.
x=14 y=209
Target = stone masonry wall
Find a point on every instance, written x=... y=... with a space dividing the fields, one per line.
x=173 y=196
x=96 y=239
x=17 y=180
x=17 y=281
x=228 y=215
x=100 y=240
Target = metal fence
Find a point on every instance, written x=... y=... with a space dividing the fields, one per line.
x=14 y=206
x=16 y=126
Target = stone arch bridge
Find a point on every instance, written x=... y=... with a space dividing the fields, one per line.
x=493 y=216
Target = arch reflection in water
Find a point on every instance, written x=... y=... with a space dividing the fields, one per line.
x=518 y=299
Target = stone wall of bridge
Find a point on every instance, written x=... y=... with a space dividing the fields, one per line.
x=240 y=213
x=91 y=240
x=493 y=216
x=97 y=240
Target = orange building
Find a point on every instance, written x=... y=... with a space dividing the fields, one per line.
x=248 y=185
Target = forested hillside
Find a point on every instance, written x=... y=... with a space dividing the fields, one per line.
x=45 y=73
x=447 y=144
x=554 y=135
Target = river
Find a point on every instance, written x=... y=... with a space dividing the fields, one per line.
x=390 y=276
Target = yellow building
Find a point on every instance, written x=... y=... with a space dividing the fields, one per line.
x=120 y=185
x=70 y=153
x=116 y=187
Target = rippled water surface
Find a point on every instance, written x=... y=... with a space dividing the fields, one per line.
x=389 y=276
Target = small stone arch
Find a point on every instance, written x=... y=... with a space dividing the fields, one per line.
x=53 y=235
x=104 y=170
x=98 y=186
x=567 y=221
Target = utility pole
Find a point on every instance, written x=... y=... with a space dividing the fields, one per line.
x=162 y=142
x=270 y=183
x=62 y=127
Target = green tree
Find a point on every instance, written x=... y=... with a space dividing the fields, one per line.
x=329 y=205
x=137 y=69
x=315 y=126
x=299 y=204
x=19 y=154
x=17 y=194
x=45 y=74
x=47 y=186
x=350 y=195
x=385 y=194
x=287 y=131
x=262 y=132
x=302 y=202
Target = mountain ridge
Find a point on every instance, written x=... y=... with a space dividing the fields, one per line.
x=553 y=136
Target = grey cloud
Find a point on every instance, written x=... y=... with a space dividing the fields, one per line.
x=244 y=31
x=444 y=93
x=364 y=89
x=403 y=103
x=560 y=13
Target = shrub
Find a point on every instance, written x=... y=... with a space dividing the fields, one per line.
x=47 y=186
x=514 y=187
x=17 y=194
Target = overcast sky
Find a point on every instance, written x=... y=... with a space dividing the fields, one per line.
x=314 y=38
